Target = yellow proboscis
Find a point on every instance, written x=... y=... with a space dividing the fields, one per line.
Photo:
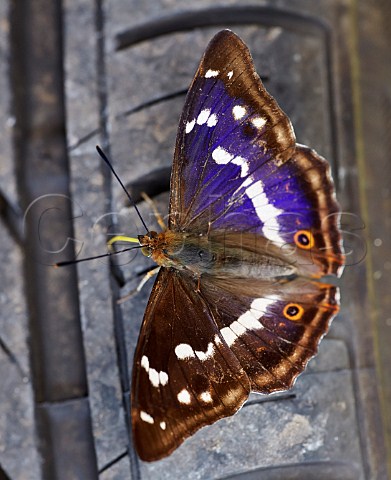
x=121 y=238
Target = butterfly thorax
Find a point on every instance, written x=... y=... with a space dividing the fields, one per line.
x=220 y=255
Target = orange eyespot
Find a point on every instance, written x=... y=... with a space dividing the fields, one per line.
x=293 y=311
x=304 y=239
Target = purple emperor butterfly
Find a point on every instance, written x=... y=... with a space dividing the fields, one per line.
x=238 y=305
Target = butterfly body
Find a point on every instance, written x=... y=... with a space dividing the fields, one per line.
x=222 y=255
x=240 y=303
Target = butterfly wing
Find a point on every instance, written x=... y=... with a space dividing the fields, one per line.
x=273 y=330
x=200 y=353
x=229 y=119
x=184 y=375
x=237 y=167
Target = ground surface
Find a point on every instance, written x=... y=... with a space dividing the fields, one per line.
x=65 y=347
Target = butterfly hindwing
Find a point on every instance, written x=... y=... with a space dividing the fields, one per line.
x=273 y=330
x=184 y=375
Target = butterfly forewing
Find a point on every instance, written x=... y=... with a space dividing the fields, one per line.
x=229 y=118
x=236 y=164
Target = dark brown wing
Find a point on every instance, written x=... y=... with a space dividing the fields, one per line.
x=184 y=374
x=273 y=329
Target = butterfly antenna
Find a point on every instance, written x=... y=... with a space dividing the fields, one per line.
x=106 y=160
x=87 y=259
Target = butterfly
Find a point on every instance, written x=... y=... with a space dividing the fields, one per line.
x=242 y=297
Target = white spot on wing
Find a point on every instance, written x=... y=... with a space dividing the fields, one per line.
x=206 y=397
x=183 y=351
x=262 y=304
x=212 y=120
x=189 y=126
x=248 y=320
x=246 y=183
x=163 y=425
x=207 y=354
x=229 y=74
x=203 y=116
x=242 y=162
x=163 y=378
x=237 y=328
x=146 y=417
x=238 y=112
x=212 y=73
x=145 y=362
x=228 y=335
x=265 y=211
x=221 y=156
x=184 y=397
x=258 y=122
x=154 y=377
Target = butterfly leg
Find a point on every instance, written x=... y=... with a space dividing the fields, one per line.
x=198 y=284
x=156 y=212
x=144 y=280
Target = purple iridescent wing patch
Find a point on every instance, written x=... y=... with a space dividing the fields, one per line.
x=232 y=133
